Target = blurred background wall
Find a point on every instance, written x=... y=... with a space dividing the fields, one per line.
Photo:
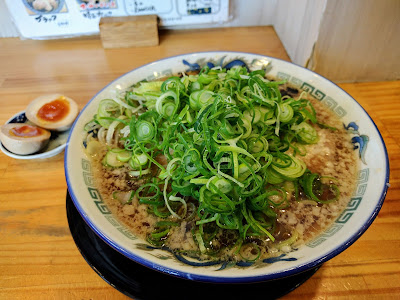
x=343 y=40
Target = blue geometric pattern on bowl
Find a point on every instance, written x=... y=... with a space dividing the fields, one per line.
x=360 y=139
x=21 y=118
x=211 y=64
x=352 y=206
x=316 y=93
x=223 y=264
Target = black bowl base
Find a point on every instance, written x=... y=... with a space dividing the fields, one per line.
x=139 y=282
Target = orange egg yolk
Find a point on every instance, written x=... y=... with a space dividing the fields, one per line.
x=54 y=111
x=26 y=131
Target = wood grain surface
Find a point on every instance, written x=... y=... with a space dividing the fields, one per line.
x=38 y=257
x=129 y=31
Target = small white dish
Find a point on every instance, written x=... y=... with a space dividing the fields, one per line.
x=56 y=145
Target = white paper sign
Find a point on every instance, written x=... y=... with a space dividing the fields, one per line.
x=41 y=19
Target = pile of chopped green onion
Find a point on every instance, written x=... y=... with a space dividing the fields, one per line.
x=233 y=147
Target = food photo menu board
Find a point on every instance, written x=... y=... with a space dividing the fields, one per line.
x=43 y=19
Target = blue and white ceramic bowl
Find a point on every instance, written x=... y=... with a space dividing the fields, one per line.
x=362 y=209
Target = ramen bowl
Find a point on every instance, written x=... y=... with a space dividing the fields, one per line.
x=363 y=206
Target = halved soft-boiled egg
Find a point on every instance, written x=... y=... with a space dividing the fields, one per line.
x=54 y=112
x=23 y=139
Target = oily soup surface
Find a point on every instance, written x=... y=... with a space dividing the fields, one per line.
x=332 y=156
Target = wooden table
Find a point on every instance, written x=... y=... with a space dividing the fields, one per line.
x=38 y=257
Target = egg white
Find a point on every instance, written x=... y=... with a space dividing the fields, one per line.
x=22 y=145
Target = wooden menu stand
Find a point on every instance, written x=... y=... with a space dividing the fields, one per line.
x=130 y=31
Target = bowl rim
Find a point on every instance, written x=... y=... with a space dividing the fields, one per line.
x=41 y=155
x=224 y=279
